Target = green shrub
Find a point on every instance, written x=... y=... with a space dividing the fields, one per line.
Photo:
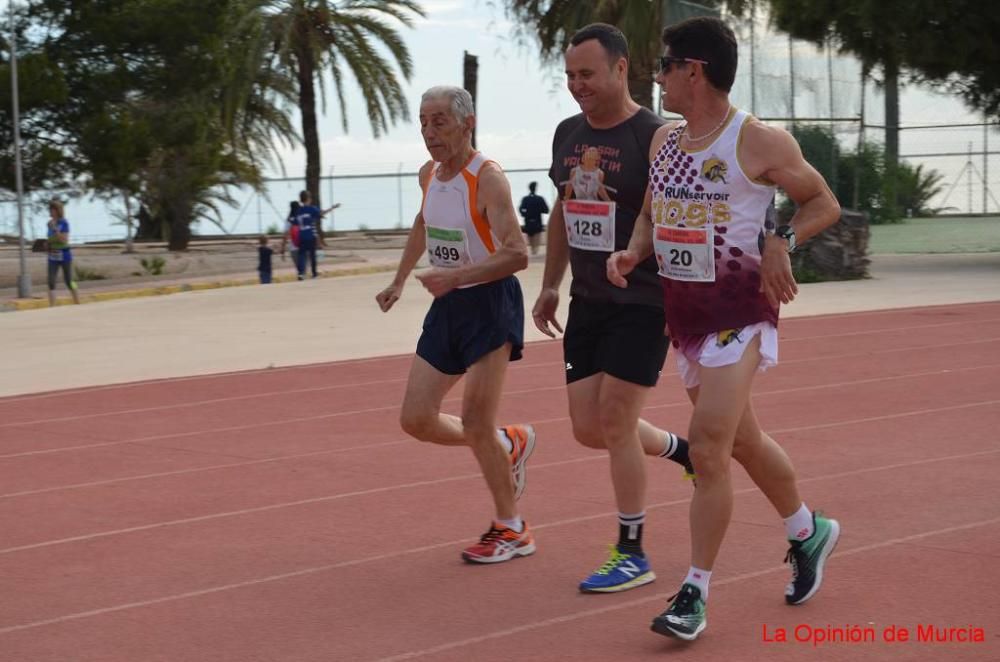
x=86 y=273
x=153 y=265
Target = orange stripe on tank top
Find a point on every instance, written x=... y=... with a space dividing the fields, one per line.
x=482 y=227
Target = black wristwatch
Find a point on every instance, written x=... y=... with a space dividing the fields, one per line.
x=787 y=232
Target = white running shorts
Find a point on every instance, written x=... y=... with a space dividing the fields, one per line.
x=715 y=353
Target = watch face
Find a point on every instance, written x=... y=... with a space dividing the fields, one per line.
x=788 y=234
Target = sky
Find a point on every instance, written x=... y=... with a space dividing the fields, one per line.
x=520 y=102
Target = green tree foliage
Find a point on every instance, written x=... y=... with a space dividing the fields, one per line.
x=174 y=101
x=866 y=171
x=553 y=22
x=355 y=37
x=915 y=188
x=42 y=88
x=948 y=43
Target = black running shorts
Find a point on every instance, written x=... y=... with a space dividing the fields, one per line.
x=625 y=341
x=465 y=325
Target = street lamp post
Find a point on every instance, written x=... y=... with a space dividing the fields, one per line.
x=23 y=277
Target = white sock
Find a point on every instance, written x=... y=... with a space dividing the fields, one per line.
x=800 y=525
x=505 y=440
x=670 y=445
x=699 y=578
x=517 y=524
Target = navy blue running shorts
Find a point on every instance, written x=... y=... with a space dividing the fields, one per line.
x=624 y=340
x=466 y=324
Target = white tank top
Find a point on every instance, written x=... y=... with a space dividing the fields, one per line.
x=456 y=233
x=708 y=189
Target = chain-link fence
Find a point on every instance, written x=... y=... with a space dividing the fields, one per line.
x=781 y=80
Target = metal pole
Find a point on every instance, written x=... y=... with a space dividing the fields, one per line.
x=23 y=277
x=260 y=217
x=332 y=211
x=861 y=140
x=969 y=185
x=399 y=193
x=833 y=128
x=986 y=162
x=753 y=59
x=791 y=80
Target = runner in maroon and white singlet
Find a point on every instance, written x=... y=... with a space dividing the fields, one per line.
x=711 y=182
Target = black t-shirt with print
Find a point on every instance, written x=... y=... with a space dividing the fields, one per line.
x=624 y=152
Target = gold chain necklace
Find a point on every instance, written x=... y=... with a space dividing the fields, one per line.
x=692 y=139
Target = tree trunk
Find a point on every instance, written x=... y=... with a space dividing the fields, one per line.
x=470 y=81
x=128 y=223
x=891 y=135
x=643 y=59
x=180 y=234
x=307 y=108
x=640 y=85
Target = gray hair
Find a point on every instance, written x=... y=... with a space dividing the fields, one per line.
x=459 y=99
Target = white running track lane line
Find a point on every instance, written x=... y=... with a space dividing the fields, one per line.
x=463 y=642
x=212 y=467
x=440 y=481
x=273 y=394
x=458 y=399
x=288 y=457
x=250 y=396
x=586 y=613
x=399 y=442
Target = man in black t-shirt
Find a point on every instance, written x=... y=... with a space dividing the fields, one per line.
x=614 y=344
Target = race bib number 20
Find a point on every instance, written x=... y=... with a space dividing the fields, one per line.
x=685 y=253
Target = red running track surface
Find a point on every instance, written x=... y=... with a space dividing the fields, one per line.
x=282 y=515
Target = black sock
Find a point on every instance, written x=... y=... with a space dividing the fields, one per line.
x=630 y=533
x=677 y=450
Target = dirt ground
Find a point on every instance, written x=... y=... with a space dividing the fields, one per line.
x=107 y=265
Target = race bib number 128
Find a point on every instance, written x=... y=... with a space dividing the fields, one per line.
x=590 y=225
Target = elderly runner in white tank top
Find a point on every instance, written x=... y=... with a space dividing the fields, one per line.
x=475 y=326
x=711 y=180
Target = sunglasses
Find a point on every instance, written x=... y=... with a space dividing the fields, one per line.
x=667 y=62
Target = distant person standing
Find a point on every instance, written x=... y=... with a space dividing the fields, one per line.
x=532 y=207
x=264 y=253
x=307 y=220
x=291 y=235
x=60 y=254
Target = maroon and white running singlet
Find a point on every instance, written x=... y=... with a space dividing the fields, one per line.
x=708 y=230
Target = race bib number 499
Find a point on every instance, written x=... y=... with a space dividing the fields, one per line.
x=590 y=225
x=685 y=253
x=447 y=247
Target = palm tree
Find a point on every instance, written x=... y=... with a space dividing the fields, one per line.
x=553 y=24
x=916 y=188
x=310 y=36
x=231 y=128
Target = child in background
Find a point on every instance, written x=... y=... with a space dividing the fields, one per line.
x=264 y=253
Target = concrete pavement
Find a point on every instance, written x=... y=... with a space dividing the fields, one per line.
x=284 y=324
